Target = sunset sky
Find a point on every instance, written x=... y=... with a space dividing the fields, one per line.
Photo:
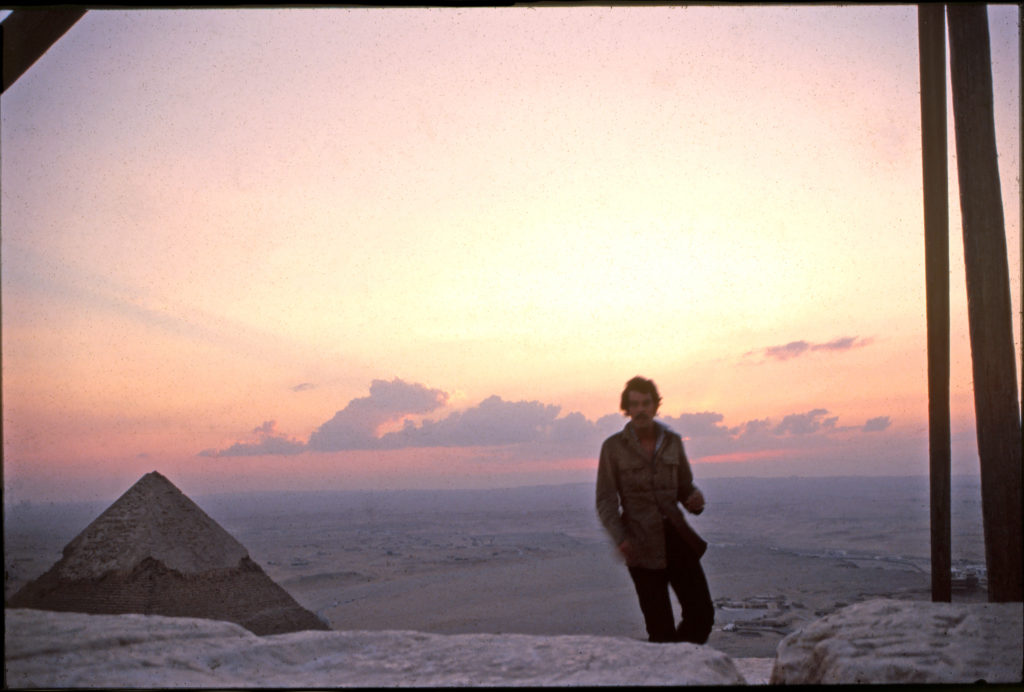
x=425 y=248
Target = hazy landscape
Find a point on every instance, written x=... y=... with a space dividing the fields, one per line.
x=535 y=560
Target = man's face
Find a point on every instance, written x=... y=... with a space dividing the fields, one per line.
x=641 y=409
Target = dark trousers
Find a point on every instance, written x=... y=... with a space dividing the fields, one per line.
x=686 y=577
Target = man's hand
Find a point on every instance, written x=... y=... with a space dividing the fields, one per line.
x=626 y=549
x=695 y=502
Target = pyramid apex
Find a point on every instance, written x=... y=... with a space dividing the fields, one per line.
x=153 y=518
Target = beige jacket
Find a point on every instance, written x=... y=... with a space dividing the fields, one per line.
x=634 y=497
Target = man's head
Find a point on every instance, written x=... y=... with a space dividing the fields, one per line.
x=640 y=401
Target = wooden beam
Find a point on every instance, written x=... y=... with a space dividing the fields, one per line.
x=988 y=300
x=27 y=34
x=931 y=35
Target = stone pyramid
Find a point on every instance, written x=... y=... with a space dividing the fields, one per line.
x=154 y=551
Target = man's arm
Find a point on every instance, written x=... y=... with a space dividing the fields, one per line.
x=689 y=494
x=608 y=498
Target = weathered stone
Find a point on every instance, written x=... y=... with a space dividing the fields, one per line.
x=75 y=650
x=154 y=551
x=885 y=641
x=153 y=519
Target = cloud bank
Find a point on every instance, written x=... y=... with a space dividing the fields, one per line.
x=267 y=441
x=356 y=425
x=393 y=416
x=795 y=349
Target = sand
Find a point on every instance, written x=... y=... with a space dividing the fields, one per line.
x=535 y=560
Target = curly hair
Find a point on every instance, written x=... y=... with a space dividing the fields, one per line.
x=643 y=386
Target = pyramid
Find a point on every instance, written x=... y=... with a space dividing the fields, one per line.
x=155 y=552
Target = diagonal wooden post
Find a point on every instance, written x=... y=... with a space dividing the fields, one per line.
x=931 y=35
x=27 y=34
x=988 y=300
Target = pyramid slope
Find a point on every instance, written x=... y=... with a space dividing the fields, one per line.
x=153 y=519
x=156 y=552
x=244 y=595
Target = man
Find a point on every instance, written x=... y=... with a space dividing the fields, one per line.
x=642 y=476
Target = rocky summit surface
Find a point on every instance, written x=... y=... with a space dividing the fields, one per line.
x=876 y=642
x=46 y=649
x=886 y=641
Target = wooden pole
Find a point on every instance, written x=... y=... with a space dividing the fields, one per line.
x=27 y=34
x=931 y=34
x=988 y=300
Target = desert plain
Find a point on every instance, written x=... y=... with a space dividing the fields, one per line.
x=535 y=560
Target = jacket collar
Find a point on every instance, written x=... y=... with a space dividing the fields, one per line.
x=629 y=435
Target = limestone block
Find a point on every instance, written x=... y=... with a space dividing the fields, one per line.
x=47 y=649
x=885 y=641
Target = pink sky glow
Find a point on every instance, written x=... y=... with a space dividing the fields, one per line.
x=415 y=248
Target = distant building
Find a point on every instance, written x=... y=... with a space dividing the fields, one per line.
x=155 y=552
